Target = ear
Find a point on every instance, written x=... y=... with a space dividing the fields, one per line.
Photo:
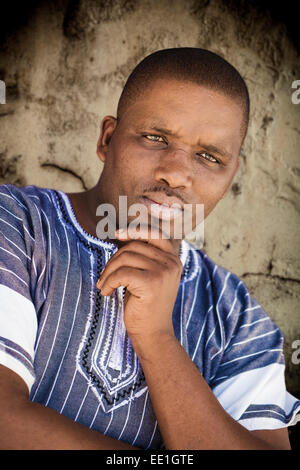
x=107 y=128
x=236 y=169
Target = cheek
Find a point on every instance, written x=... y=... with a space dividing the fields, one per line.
x=135 y=162
x=128 y=171
x=209 y=182
x=209 y=187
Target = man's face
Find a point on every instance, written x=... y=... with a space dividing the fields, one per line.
x=178 y=143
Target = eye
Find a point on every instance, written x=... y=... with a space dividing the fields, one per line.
x=208 y=156
x=154 y=138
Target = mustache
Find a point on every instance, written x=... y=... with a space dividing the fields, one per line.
x=169 y=192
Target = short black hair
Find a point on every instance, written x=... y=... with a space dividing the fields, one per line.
x=191 y=64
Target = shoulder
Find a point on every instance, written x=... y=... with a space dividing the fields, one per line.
x=23 y=211
x=25 y=202
x=224 y=291
x=200 y=265
x=23 y=197
x=237 y=331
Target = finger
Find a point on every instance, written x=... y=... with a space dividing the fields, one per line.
x=163 y=244
x=129 y=259
x=131 y=278
x=145 y=249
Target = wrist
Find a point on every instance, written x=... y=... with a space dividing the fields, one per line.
x=151 y=346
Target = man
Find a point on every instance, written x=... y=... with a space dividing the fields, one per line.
x=139 y=344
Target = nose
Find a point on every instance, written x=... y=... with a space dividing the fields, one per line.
x=174 y=169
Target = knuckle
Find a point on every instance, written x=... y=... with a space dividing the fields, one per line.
x=175 y=263
x=125 y=256
x=122 y=270
x=133 y=245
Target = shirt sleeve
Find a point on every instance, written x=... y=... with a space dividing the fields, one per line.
x=250 y=380
x=18 y=320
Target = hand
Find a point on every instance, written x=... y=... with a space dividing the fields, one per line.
x=150 y=269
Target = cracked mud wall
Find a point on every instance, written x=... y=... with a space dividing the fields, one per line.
x=64 y=67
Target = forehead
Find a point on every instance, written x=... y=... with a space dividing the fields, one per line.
x=186 y=109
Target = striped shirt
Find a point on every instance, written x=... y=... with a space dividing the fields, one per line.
x=70 y=346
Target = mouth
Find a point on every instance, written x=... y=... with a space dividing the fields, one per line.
x=163 y=208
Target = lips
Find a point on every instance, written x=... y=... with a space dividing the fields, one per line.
x=165 y=202
x=163 y=209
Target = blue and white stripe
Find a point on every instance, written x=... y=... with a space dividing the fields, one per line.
x=61 y=338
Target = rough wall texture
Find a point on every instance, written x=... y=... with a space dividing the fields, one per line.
x=64 y=70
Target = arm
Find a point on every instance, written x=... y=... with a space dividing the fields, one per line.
x=25 y=425
x=188 y=413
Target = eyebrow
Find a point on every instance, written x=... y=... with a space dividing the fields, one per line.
x=208 y=147
x=154 y=127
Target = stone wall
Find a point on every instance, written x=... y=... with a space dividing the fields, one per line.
x=64 y=67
